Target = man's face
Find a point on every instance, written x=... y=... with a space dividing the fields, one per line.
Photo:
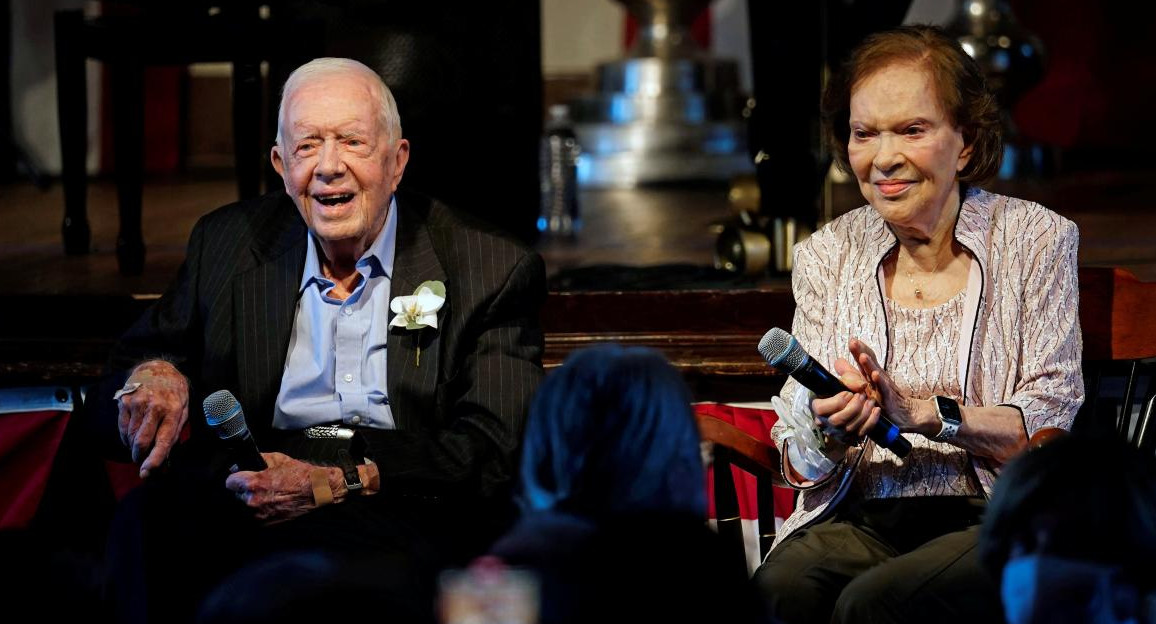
x=337 y=160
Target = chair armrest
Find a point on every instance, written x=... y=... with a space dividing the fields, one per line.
x=1045 y=435
x=747 y=452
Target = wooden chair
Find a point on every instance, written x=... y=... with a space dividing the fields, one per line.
x=730 y=446
x=1118 y=319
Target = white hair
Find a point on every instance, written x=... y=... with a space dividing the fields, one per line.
x=325 y=67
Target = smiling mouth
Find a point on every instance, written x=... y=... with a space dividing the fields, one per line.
x=334 y=200
x=892 y=187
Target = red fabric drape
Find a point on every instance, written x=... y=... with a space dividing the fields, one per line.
x=757 y=423
x=28 y=444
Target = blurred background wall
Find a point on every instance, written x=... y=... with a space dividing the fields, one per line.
x=1099 y=86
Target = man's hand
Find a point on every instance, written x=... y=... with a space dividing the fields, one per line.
x=152 y=412
x=284 y=490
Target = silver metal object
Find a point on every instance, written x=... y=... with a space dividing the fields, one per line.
x=558 y=213
x=1012 y=59
x=328 y=432
x=129 y=388
x=667 y=112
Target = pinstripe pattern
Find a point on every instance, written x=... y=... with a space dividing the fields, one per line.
x=227 y=319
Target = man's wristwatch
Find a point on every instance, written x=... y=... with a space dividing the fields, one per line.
x=949 y=418
x=352 y=477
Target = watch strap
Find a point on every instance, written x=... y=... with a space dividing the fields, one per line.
x=349 y=469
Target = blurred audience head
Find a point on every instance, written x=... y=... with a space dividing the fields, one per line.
x=643 y=568
x=316 y=586
x=1071 y=533
x=610 y=432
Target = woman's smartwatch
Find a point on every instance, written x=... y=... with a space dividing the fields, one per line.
x=949 y=418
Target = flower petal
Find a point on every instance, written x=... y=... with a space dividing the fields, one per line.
x=430 y=319
x=429 y=302
x=400 y=303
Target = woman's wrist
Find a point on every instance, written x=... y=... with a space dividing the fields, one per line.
x=925 y=417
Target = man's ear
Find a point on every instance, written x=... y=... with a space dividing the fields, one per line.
x=400 y=158
x=278 y=162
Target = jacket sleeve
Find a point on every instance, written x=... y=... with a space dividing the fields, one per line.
x=1049 y=387
x=811 y=278
x=166 y=330
x=474 y=450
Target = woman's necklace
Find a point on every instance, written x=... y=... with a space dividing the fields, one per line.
x=920 y=287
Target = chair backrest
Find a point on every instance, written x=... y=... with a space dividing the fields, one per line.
x=730 y=447
x=1118 y=320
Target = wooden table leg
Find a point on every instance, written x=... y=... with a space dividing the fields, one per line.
x=128 y=149
x=247 y=127
x=72 y=105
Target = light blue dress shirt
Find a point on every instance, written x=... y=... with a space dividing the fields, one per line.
x=335 y=370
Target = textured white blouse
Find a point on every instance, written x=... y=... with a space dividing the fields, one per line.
x=924 y=346
x=1016 y=341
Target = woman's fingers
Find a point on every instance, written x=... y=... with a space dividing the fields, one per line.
x=869 y=422
x=846 y=411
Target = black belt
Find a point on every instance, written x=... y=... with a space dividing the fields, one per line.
x=321 y=444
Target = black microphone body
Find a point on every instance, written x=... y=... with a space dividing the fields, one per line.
x=784 y=353
x=227 y=419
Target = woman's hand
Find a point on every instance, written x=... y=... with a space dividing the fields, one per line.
x=907 y=413
x=848 y=416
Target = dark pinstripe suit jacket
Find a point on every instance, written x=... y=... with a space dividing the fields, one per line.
x=227 y=318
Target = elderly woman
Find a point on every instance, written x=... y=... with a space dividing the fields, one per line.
x=947 y=309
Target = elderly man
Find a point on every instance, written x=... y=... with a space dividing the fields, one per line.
x=385 y=417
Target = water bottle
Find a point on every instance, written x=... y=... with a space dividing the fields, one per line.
x=558 y=161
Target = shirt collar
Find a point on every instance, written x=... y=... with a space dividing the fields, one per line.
x=378 y=258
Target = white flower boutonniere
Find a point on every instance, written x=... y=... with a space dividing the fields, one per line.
x=419 y=310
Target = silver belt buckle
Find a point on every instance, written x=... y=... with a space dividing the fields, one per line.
x=328 y=432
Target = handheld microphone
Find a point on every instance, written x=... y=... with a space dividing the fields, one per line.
x=225 y=417
x=784 y=354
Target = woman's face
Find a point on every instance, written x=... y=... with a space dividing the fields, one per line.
x=904 y=149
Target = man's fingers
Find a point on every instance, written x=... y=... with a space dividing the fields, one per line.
x=145 y=433
x=166 y=437
x=123 y=417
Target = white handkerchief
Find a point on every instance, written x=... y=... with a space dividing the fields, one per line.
x=805 y=453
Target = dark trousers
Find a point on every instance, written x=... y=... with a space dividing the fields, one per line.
x=177 y=537
x=901 y=560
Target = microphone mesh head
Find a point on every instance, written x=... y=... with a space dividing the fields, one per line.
x=782 y=351
x=224 y=415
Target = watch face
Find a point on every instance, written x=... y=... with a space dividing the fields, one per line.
x=948 y=409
